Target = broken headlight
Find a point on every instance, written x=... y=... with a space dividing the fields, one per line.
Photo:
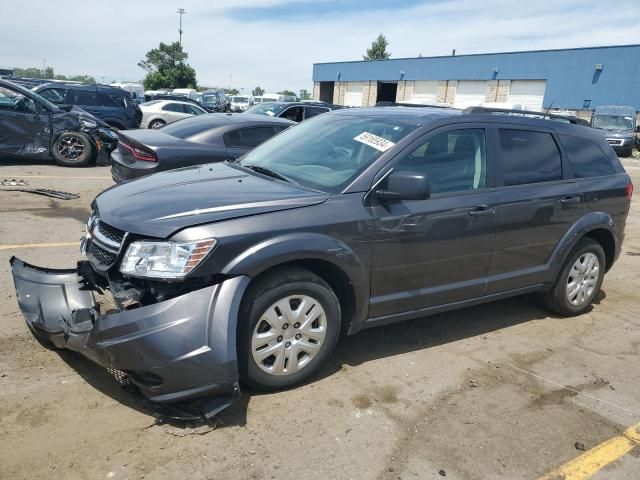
x=164 y=259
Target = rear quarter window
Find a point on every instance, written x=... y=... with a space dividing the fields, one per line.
x=586 y=157
x=529 y=157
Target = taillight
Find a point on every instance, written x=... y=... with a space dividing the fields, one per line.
x=629 y=190
x=140 y=153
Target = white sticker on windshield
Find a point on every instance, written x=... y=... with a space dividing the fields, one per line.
x=374 y=141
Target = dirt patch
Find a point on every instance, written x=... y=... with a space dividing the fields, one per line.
x=361 y=401
x=56 y=209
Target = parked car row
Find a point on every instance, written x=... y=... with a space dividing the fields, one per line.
x=246 y=273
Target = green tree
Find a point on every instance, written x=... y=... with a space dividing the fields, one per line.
x=257 y=92
x=82 y=78
x=231 y=91
x=287 y=92
x=304 y=94
x=166 y=68
x=378 y=50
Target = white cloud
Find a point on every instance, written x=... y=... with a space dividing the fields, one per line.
x=108 y=38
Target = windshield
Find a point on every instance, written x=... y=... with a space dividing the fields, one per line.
x=613 y=122
x=50 y=106
x=210 y=99
x=327 y=152
x=240 y=100
x=267 y=107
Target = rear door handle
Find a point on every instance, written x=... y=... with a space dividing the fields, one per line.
x=570 y=200
x=481 y=210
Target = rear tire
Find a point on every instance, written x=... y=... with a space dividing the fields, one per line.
x=289 y=324
x=154 y=124
x=579 y=280
x=73 y=149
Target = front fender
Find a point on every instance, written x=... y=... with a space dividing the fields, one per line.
x=590 y=221
x=306 y=246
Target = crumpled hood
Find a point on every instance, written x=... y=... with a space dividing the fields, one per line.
x=160 y=204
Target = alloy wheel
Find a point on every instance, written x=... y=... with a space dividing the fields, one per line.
x=71 y=147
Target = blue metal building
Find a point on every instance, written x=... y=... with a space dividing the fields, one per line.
x=577 y=79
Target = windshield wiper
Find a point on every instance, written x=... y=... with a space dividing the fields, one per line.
x=268 y=172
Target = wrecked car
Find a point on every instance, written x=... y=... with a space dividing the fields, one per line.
x=33 y=127
x=248 y=271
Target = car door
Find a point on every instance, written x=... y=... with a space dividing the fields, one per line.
x=24 y=125
x=87 y=99
x=437 y=251
x=238 y=142
x=174 y=111
x=539 y=202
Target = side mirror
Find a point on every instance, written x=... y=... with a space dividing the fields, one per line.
x=405 y=185
x=637 y=128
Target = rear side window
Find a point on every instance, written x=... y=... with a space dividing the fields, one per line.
x=248 y=137
x=313 y=111
x=586 y=158
x=173 y=107
x=529 y=157
x=84 y=98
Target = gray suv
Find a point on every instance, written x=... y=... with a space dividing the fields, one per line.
x=249 y=271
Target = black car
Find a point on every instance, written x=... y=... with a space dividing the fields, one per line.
x=33 y=127
x=294 y=111
x=112 y=105
x=250 y=271
x=200 y=139
x=215 y=101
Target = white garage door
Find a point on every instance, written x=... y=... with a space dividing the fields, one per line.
x=528 y=93
x=353 y=94
x=425 y=92
x=470 y=93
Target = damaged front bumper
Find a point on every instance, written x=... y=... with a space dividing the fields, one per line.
x=178 y=349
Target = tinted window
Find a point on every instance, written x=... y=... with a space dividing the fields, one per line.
x=454 y=161
x=108 y=101
x=193 y=110
x=16 y=102
x=173 y=107
x=313 y=111
x=233 y=139
x=55 y=95
x=586 y=158
x=252 y=137
x=529 y=157
x=293 y=113
x=87 y=99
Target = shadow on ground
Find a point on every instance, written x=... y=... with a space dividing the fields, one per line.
x=379 y=342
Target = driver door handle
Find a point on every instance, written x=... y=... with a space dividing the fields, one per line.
x=571 y=199
x=482 y=210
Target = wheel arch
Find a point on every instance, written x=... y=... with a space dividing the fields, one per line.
x=596 y=225
x=320 y=254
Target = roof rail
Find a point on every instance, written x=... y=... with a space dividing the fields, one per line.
x=385 y=103
x=548 y=116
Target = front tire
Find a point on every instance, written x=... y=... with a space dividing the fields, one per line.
x=73 y=149
x=579 y=280
x=289 y=326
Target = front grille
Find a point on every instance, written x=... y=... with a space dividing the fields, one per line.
x=112 y=233
x=100 y=257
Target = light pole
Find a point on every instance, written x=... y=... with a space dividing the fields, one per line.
x=181 y=12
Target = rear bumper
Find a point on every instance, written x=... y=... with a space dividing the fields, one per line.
x=178 y=349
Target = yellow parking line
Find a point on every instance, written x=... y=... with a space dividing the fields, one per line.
x=589 y=463
x=39 y=245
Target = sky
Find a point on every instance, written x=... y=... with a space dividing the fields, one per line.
x=274 y=43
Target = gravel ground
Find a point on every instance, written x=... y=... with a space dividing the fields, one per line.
x=466 y=395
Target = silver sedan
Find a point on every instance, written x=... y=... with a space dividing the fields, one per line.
x=158 y=113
